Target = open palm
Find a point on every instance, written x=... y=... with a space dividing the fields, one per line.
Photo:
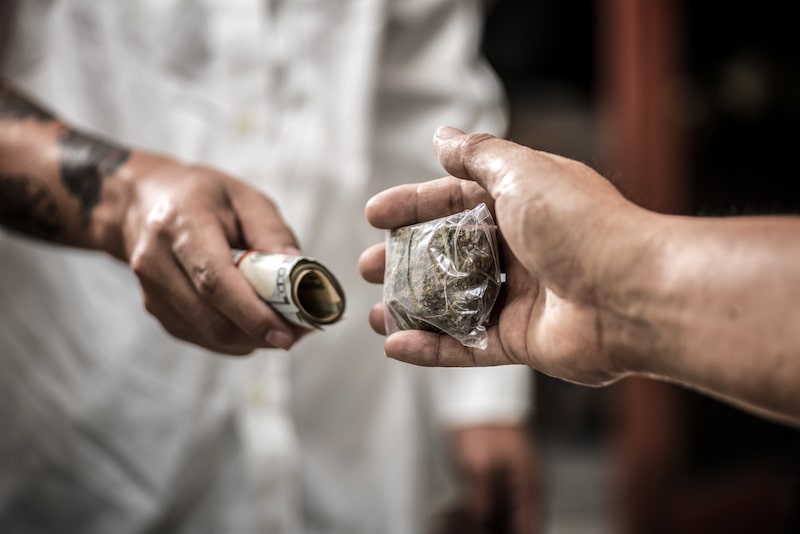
x=549 y=317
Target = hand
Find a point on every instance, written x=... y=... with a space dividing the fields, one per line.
x=496 y=469
x=175 y=224
x=179 y=225
x=560 y=224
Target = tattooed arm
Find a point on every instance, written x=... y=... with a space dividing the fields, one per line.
x=599 y=288
x=50 y=176
x=173 y=223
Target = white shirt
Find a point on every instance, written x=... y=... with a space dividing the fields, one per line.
x=112 y=426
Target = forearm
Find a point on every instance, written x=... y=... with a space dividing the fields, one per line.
x=173 y=223
x=56 y=183
x=717 y=309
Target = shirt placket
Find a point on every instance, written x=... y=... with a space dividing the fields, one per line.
x=242 y=60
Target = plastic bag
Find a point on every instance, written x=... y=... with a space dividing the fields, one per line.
x=443 y=276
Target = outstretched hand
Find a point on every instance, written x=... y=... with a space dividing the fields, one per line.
x=557 y=220
x=180 y=224
x=175 y=224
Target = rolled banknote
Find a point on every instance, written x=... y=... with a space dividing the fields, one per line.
x=300 y=288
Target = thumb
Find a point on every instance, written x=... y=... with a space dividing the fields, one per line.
x=261 y=224
x=482 y=157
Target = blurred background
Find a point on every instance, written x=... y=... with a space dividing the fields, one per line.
x=690 y=108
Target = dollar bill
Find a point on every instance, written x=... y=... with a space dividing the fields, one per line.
x=300 y=288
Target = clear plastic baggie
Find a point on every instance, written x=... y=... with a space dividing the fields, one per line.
x=443 y=276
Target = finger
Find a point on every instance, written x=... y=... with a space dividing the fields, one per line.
x=204 y=255
x=440 y=350
x=169 y=295
x=485 y=159
x=413 y=203
x=261 y=223
x=176 y=325
x=518 y=482
x=377 y=318
x=522 y=500
x=372 y=263
x=478 y=496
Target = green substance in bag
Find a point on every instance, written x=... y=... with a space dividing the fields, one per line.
x=443 y=276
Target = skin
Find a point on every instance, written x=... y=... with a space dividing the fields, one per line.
x=174 y=224
x=599 y=288
x=495 y=465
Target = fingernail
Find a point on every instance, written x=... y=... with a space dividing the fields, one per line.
x=292 y=251
x=445 y=133
x=280 y=339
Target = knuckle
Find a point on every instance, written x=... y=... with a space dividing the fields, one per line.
x=205 y=280
x=473 y=143
x=141 y=262
x=455 y=200
x=473 y=147
x=162 y=219
x=489 y=161
x=138 y=263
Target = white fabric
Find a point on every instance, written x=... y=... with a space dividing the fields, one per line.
x=110 y=425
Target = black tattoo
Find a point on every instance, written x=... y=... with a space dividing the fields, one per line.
x=28 y=207
x=85 y=161
x=14 y=106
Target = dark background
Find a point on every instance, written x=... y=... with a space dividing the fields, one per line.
x=738 y=77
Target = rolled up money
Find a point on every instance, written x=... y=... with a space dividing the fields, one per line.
x=301 y=289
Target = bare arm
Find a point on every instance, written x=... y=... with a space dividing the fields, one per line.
x=173 y=223
x=599 y=288
x=51 y=177
x=718 y=310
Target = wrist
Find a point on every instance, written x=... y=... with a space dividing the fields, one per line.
x=60 y=184
x=123 y=191
x=110 y=215
x=91 y=179
x=633 y=282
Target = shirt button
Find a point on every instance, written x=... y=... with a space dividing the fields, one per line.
x=258 y=395
x=243 y=123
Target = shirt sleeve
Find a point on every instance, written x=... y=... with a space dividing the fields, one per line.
x=471 y=396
